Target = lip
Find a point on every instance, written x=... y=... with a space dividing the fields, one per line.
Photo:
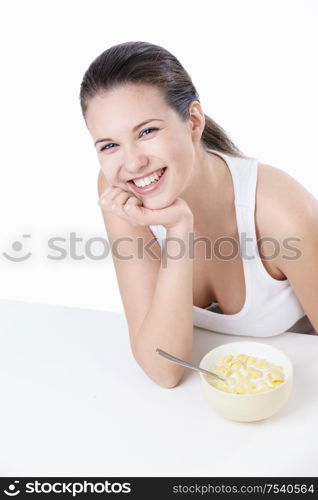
x=151 y=188
x=147 y=175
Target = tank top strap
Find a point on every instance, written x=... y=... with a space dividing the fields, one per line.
x=244 y=177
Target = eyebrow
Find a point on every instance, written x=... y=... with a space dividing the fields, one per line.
x=134 y=129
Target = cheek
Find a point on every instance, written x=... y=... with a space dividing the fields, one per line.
x=180 y=151
x=108 y=167
x=105 y=172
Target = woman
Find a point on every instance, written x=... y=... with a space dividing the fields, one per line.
x=144 y=115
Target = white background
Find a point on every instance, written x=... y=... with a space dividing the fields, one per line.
x=252 y=62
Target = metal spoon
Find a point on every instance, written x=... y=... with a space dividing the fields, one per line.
x=188 y=365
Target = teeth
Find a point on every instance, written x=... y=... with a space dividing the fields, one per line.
x=146 y=181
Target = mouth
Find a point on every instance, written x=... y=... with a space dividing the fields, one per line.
x=154 y=185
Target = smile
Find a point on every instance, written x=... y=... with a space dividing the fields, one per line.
x=146 y=181
x=150 y=183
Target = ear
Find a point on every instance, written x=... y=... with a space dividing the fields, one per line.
x=197 y=120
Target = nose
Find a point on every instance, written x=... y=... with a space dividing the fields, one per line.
x=135 y=162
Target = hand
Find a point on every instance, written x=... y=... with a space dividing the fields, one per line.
x=130 y=208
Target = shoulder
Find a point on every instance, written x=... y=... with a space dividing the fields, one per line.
x=283 y=203
x=285 y=211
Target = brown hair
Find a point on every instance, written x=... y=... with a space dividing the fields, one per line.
x=146 y=63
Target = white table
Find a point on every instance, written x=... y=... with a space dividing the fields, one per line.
x=75 y=403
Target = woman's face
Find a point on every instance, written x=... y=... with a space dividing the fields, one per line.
x=128 y=150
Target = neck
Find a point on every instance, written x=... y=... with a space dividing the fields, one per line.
x=208 y=191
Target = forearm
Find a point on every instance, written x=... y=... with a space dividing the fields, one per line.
x=169 y=321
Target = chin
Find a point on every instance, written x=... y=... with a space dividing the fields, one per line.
x=157 y=204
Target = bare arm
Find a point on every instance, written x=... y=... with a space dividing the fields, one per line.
x=168 y=323
x=156 y=293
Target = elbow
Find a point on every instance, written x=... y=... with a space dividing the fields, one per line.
x=167 y=382
x=160 y=372
x=171 y=382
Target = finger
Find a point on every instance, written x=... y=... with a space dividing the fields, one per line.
x=109 y=196
x=120 y=199
x=131 y=203
x=116 y=201
x=146 y=216
x=133 y=200
x=105 y=196
x=125 y=206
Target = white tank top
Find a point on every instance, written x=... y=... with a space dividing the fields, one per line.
x=271 y=306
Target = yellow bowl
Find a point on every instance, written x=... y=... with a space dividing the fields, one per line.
x=247 y=407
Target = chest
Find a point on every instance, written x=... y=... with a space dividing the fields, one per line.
x=218 y=273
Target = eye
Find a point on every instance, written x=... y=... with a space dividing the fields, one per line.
x=152 y=129
x=111 y=143
x=106 y=146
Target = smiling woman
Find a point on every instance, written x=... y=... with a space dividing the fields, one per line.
x=169 y=170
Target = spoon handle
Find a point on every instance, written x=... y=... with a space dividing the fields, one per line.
x=188 y=365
